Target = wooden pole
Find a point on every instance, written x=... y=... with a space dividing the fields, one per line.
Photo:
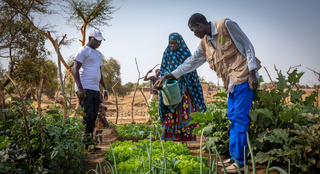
x=23 y=108
x=39 y=105
x=116 y=95
x=64 y=103
x=3 y=104
x=269 y=76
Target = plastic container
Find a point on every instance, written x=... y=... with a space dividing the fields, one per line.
x=171 y=92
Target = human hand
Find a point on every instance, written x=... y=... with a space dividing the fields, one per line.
x=253 y=80
x=159 y=82
x=81 y=94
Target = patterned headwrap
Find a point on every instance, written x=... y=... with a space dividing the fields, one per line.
x=170 y=61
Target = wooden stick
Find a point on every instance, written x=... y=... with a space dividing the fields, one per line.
x=115 y=94
x=275 y=68
x=269 y=76
x=23 y=108
x=155 y=66
x=61 y=82
x=143 y=95
x=292 y=67
x=3 y=104
x=288 y=74
x=317 y=73
x=39 y=105
x=135 y=90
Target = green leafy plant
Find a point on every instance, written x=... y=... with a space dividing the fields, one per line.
x=136 y=130
x=214 y=123
x=274 y=115
x=136 y=157
x=59 y=150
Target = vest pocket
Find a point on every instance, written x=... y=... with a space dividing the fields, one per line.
x=228 y=50
x=239 y=65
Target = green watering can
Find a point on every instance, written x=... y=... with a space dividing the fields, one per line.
x=171 y=92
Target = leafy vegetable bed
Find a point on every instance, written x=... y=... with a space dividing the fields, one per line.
x=129 y=157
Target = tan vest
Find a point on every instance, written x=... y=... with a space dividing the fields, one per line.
x=226 y=60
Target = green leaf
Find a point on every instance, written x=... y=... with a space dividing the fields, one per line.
x=309 y=100
x=253 y=115
x=294 y=77
x=221 y=94
x=265 y=112
x=278 y=169
x=296 y=96
x=262 y=157
x=3 y=142
x=54 y=154
x=207 y=130
x=81 y=112
x=287 y=114
x=273 y=139
x=281 y=133
x=266 y=97
x=282 y=83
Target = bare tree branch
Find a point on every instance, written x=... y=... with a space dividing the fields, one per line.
x=292 y=67
x=275 y=68
x=317 y=73
x=269 y=76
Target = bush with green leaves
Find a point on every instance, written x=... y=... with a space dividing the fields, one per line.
x=282 y=126
x=60 y=150
x=277 y=118
x=215 y=123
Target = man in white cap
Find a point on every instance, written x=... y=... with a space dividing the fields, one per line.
x=87 y=74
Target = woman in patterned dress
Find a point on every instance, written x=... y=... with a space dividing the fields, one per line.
x=175 y=119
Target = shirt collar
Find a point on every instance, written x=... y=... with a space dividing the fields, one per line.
x=214 y=31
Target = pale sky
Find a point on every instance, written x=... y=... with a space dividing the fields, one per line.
x=283 y=32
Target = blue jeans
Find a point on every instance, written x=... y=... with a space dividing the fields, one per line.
x=239 y=105
x=91 y=108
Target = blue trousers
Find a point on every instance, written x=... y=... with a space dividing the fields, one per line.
x=239 y=104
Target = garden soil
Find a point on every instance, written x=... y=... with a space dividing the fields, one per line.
x=139 y=110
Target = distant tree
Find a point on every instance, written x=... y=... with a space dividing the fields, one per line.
x=88 y=13
x=130 y=85
x=28 y=71
x=111 y=74
x=144 y=84
x=18 y=40
x=25 y=48
x=91 y=13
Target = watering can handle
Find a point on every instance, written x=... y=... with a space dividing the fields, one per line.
x=165 y=83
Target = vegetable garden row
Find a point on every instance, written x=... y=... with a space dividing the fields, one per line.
x=284 y=132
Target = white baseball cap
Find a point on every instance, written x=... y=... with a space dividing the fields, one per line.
x=96 y=34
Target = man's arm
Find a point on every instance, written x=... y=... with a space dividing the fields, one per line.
x=246 y=48
x=76 y=74
x=146 y=78
x=105 y=92
x=189 y=65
